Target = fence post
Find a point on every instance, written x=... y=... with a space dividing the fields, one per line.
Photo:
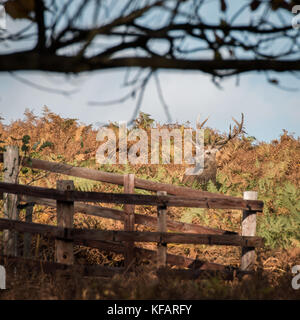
x=129 y=221
x=248 y=229
x=11 y=171
x=65 y=214
x=2 y=278
x=28 y=236
x=161 y=227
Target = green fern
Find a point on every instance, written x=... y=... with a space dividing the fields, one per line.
x=289 y=197
x=211 y=187
x=279 y=231
x=194 y=213
x=84 y=184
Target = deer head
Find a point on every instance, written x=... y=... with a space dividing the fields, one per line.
x=217 y=143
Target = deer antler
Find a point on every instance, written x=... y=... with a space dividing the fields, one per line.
x=200 y=126
x=238 y=129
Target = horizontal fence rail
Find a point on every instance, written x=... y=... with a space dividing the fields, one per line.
x=99 y=271
x=53 y=267
x=202 y=274
x=115 y=178
x=172 y=259
x=161 y=237
x=116 y=214
x=137 y=199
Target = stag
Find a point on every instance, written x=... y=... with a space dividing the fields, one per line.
x=210 y=163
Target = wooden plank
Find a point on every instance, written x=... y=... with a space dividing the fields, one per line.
x=34 y=228
x=65 y=214
x=129 y=222
x=115 y=214
x=137 y=199
x=98 y=211
x=161 y=227
x=200 y=274
x=105 y=235
x=100 y=271
x=2 y=278
x=172 y=259
x=248 y=229
x=115 y=178
x=53 y=267
x=11 y=172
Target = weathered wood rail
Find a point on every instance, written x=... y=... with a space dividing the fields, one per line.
x=116 y=214
x=68 y=201
x=72 y=234
x=114 y=178
x=127 y=198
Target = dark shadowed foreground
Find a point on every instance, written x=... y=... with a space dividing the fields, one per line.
x=274 y=282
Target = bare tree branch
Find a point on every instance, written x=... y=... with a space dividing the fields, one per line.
x=32 y=60
x=75 y=37
x=39 y=87
x=40 y=19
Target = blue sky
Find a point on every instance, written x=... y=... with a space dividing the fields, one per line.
x=267 y=108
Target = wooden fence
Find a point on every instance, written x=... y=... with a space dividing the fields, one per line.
x=68 y=201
